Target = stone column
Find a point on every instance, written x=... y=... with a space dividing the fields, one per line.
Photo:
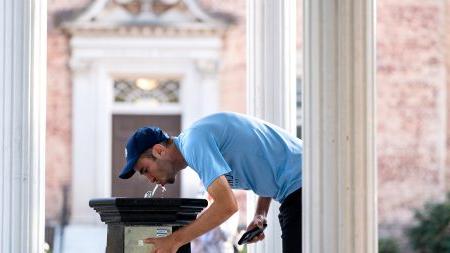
x=22 y=124
x=271 y=92
x=339 y=184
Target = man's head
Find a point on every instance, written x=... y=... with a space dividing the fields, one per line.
x=151 y=152
x=158 y=164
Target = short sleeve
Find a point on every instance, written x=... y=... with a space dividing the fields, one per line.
x=204 y=157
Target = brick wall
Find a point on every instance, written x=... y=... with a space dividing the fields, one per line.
x=447 y=64
x=232 y=75
x=59 y=106
x=411 y=108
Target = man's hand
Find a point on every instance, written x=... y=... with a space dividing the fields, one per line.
x=163 y=244
x=258 y=220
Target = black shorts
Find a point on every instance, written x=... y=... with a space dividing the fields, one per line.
x=291 y=222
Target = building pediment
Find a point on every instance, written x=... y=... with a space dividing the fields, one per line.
x=154 y=17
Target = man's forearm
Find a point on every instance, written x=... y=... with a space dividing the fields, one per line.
x=262 y=206
x=215 y=215
x=221 y=209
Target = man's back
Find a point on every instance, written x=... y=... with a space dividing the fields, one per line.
x=251 y=153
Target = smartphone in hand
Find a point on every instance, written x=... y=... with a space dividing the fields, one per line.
x=252 y=233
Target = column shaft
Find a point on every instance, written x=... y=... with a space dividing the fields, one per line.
x=271 y=77
x=339 y=184
x=22 y=124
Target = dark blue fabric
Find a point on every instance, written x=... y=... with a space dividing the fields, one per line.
x=291 y=222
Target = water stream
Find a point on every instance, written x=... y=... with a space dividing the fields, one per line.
x=151 y=194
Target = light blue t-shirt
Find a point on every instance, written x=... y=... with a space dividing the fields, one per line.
x=250 y=153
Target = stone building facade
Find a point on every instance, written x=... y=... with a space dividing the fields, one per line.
x=59 y=105
x=413 y=127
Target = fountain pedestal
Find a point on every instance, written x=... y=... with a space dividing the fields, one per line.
x=131 y=220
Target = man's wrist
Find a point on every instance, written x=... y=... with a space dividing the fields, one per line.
x=261 y=214
x=259 y=219
x=177 y=238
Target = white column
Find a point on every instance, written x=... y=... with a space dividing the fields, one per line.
x=339 y=185
x=22 y=124
x=88 y=176
x=271 y=57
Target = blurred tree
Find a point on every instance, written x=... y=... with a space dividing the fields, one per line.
x=431 y=232
x=388 y=245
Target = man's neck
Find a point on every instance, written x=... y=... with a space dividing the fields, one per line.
x=180 y=163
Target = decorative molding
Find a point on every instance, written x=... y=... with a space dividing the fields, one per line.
x=146 y=17
x=207 y=67
x=117 y=48
x=339 y=183
x=271 y=86
x=146 y=31
x=80 y=66
x=22 y=125
x=106 y=9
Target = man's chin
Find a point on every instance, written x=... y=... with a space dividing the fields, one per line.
x=170 y=181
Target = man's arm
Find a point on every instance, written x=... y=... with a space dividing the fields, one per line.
x=223 y=207
x=262 y=207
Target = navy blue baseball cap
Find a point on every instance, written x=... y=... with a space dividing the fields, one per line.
x=143 y=139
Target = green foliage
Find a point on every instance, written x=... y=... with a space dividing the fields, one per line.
x=431 y=232
x=387 y=245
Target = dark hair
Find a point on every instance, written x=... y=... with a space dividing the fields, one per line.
x=148 y=153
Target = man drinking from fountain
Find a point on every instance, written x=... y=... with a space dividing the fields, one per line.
x=228 y=151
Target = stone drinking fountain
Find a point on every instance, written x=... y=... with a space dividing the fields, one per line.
x=131 y=220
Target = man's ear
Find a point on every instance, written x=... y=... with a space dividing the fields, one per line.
x=158 y=150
